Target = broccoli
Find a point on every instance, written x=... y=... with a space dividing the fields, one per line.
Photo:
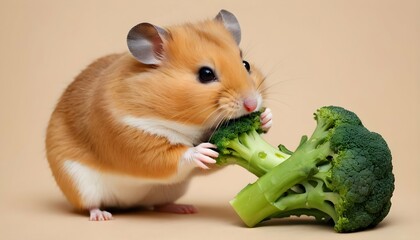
x=239 y=142
x=341 y=174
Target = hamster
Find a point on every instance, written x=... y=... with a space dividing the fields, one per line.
x=132 y=129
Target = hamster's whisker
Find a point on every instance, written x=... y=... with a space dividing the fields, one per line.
x=276 y=82
x=280 y=81
x=198 y=110
x=211 y=115
x=261 y=83
x=278 y=101
x=220 y=120
x=182 y=113
x=216 y=111
x=267 y=87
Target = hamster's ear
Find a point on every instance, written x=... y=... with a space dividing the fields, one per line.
x=145 y=42
x=231 y=23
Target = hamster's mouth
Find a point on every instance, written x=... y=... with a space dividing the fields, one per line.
x=227 y=118
x=209 y=131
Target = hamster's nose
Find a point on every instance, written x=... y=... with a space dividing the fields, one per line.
x=250 y=104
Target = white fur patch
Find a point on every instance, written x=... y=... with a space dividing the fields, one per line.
x=105 y=189
x=176 y=133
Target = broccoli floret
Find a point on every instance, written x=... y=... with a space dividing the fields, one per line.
x=342 y=174
x=239 y=142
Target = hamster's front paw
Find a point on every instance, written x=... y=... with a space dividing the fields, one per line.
x=201 y=155
x=266 y=120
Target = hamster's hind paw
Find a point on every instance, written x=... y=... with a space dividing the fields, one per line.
x=97 y=215
x=176 y=208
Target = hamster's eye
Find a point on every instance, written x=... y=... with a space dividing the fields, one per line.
x=206 y=75
x=247 y=66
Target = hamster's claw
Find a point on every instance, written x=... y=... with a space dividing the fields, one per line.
x=202 y=154
x=266 y=120
x=97 y=215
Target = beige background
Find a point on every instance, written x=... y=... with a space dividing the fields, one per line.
x=363 y=55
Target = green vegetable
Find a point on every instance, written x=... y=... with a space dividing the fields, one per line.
x=343 y=172
x=239 y=142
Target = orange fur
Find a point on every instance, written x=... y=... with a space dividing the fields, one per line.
x=84 y=126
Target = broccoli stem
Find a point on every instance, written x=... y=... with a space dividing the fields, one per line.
x=257 y=171
x=258 y=201
x=313 y=197
x=253 y=153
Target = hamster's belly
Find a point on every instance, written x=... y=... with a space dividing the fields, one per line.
x=97 y=189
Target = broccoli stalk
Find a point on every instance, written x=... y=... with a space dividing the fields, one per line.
x=343 y=173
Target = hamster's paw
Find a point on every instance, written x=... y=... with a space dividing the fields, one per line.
x=201 y=155
x=97 y=215
x=176 y=208
x=266 y=120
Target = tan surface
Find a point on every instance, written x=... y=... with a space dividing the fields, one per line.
x=363 y=55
